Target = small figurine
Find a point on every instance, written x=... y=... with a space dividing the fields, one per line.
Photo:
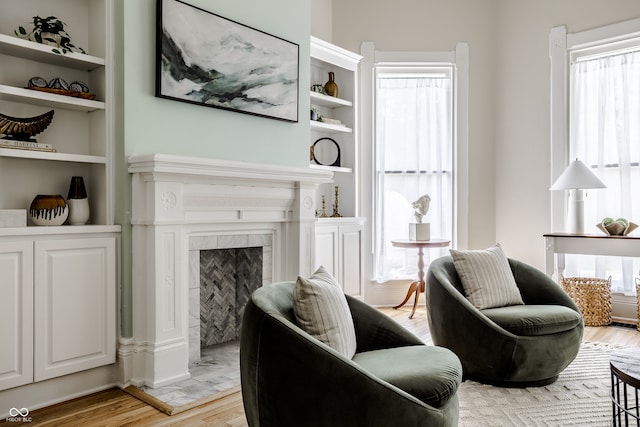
x=421 y=207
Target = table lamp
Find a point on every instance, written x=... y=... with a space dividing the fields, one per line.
x=576 y=178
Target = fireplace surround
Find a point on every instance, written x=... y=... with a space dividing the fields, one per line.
x=182 y=203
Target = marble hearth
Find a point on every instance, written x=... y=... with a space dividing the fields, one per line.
x=186 y=204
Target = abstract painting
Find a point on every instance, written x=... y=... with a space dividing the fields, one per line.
x=205 y=59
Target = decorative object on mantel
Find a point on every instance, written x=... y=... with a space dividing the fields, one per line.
x=24 y=129
x=576 y=178
x=419 y=230
x=76 y=89
x=48 y=210
x=49 y=31
x=13 y=218
x=322 y=212
x=328 y=156
x=336 y=211
x=205 y=59
x=78 y=202
x=331 y=87
x=619 y=227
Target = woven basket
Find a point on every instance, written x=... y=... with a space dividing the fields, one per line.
x=592 y=296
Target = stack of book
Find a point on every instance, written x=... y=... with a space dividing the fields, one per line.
x=26 y=145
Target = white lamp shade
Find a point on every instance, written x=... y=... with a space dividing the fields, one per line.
x=577 y=176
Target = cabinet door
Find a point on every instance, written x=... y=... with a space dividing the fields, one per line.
x=16 y=314
x=326 y=249
x=75 y=297
x=351 y=259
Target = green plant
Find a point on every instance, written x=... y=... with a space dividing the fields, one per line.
x=49 y=30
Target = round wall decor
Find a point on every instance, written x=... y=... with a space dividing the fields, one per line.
x=326 y=152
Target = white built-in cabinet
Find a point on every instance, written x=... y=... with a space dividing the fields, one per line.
x=339 y=249
x=58 y=284
x=338 y=241
x=62 y=315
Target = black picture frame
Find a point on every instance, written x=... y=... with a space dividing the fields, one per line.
x=205 y=59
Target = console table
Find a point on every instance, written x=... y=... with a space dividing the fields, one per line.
x=558 y=244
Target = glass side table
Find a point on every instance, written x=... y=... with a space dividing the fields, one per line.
x=625 y=381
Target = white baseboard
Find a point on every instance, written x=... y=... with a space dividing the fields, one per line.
x=624 y=308
x=46 y=393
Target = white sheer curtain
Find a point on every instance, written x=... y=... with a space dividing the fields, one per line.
x=605 y=134
x=414 y=143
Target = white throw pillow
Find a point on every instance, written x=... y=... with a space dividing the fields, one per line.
x=486 y=277
x=322 y=311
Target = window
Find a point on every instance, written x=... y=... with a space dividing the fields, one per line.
x=414 y=156
x=604 y=132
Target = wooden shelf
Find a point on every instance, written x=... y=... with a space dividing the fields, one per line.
x=327 y=127
x=14 y=46
x=45 y=155
x=328 y=101
x=17 y=94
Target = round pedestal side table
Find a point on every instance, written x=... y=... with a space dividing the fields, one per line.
x=417 y=286
x=625 y=381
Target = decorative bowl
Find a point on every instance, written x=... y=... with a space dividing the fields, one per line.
x=617 y=229
x=48 y=209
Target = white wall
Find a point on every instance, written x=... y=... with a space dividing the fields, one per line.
x=412 y=25
x=522 y=115
x=509 y=149
x=321 y=19
x=434 y=25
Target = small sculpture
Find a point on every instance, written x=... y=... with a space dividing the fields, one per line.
x=23 y=129
x=421 y=207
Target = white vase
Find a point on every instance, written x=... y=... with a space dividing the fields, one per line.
x=78 y=211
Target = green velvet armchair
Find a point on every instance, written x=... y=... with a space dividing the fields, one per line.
x=520 y=345
x=292 y=379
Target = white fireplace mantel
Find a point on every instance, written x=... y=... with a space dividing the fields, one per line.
x=177 y=198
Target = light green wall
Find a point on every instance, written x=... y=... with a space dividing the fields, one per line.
x=155 y=125
x=146 y=124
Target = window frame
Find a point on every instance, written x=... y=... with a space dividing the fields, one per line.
x=459 y=60
x=563 y=48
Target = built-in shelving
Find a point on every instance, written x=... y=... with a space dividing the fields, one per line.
x=21 y=48
x=326 y=58
x=330 y=127
x=81 y=129
x=45 y=99
x=331 y=168
x=57 y=157
x=321 y=99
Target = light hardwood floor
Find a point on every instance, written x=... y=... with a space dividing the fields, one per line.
x=117 y=408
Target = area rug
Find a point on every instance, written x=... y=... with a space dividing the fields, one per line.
x=580 y=397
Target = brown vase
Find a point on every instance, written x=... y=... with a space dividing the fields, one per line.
x=331 y=88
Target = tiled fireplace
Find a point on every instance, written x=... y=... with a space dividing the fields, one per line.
x=184 y=207
x=223 y=272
